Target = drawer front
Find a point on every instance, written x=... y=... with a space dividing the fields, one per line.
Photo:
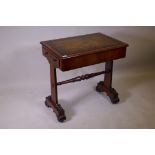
x=91 y=59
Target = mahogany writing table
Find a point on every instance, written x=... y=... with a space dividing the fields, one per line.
x=80 y=51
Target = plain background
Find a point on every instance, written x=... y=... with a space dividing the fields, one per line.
x=77 y=13
x=24 y=81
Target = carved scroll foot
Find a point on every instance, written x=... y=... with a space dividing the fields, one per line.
x=111 y=92
x=60 y=113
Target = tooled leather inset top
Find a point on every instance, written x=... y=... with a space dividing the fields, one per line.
x=83 y=44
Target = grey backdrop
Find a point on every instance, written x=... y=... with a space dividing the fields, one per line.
x=24 y=72
x=20 y=51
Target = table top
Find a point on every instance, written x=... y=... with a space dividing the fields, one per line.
x=81 y=45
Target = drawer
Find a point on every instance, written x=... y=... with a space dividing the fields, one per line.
x=91 y=59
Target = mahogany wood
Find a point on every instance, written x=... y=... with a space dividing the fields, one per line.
x=81 y=51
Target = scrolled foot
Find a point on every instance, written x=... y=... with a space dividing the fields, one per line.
x=113 y=95
x=59 y=113
x=99 y=87
x=111 y=92
x=57 y=109
x=47 y=104
x=61 y=118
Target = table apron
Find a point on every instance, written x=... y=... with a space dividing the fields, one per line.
x=91 y=59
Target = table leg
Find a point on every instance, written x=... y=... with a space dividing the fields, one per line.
x=106 y=85
x=52 y=101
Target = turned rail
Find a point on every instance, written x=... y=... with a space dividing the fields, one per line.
x=82 y=77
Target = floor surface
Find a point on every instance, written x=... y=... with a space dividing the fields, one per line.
x=22 y=105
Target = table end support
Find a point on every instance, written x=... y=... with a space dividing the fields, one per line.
x=106 y=85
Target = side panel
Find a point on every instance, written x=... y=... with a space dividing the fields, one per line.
x=52 y=59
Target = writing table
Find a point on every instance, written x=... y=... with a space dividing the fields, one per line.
x=81 y=51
